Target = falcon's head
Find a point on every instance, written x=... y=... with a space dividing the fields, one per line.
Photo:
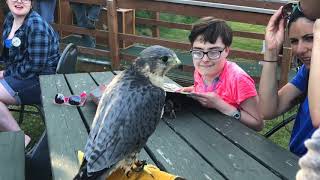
x=156 y=60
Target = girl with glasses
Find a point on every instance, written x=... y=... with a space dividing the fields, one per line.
x=31 y=48
x=218 y=83
x=273 y=102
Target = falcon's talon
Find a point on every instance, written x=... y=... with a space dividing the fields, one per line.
x=139 y=165
x=127 y=172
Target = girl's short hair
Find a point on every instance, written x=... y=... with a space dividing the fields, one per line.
x=211 y=29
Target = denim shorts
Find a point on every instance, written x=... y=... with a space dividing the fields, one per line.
x=25 y=91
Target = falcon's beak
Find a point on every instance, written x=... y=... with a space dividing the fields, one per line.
x=174 y=61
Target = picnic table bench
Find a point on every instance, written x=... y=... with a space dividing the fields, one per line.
x=12 y=157
x=198 y=144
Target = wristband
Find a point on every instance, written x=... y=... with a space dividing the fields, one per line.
x=268 y=61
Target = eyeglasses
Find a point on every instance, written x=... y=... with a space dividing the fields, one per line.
x=22 y=1
x=289 y=8
x=212 y=55
x=71 y=100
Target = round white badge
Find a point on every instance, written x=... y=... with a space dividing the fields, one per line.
x=16 y=42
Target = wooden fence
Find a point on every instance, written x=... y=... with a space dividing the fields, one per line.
x=117 y=26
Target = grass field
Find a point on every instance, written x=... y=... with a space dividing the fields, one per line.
x=33 y=125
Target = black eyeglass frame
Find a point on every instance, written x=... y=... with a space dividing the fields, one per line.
x=207 y=53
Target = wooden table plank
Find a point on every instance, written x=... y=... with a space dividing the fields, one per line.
x=266 y=152
x=177 y=156
x=221 y=153
x=65 y=134
x=12 y=157
x=102 y=77
x=83 y=82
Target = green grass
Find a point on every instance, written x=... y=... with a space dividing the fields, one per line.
x=182 y=35
x=32 y=124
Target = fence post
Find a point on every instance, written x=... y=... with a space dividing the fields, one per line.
x=113 y=33
x=64 y=15
x=286 y=60
x=155 y=29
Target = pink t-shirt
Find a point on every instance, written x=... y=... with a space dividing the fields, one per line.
x=233 y=85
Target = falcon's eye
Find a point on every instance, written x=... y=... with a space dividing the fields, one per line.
x=165 y=58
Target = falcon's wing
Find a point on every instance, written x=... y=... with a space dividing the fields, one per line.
x=127 y=115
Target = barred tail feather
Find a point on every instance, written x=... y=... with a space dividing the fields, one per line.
x=83 y=173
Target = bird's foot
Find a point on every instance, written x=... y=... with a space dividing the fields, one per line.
x=139 y=165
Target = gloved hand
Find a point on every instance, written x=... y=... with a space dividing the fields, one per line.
x=149 y=172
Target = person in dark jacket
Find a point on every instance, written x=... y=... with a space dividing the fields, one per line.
x=30 y=49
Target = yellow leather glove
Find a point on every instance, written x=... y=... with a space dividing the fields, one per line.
x=149 y=172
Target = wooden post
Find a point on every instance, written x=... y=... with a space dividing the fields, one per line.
x=126 y=24
x=65 y=15
x=113 y=34
x=155 y=29
x=286 y=60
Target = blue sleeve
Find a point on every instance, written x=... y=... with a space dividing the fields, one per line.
x=301 y=79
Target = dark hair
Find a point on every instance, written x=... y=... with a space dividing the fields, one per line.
x=211 y=29
x=296 y=14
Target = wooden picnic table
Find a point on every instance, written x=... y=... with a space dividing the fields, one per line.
x=12 y=157
x=198 y=144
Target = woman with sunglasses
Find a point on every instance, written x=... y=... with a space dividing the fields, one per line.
x=218 y=83
x=273 y=102
x=30 y=49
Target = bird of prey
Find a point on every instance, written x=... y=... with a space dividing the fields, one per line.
x=127 y=114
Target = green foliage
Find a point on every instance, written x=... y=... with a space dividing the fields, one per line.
x=178 y=18
x=247 y=44
x=237 y=26
x=182 y=35
x=32 y=124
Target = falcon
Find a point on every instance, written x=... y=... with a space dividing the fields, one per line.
x=127 y=115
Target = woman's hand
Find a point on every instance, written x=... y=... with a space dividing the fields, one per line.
x=274 y=35
x=316 y=28
x=313 y=87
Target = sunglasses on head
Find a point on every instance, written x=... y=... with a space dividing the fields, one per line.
x=74 y=100
x=289 y=8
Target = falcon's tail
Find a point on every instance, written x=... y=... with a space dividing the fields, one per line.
x=83 y=173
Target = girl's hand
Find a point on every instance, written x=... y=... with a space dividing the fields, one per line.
x=274 y=35
x=206 y=99
x=186 y=89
